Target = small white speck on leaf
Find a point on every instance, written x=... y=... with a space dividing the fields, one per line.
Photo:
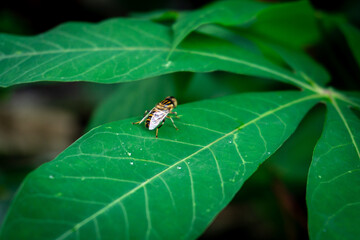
x=129 y=154
x=178 y=167
x=168 y=64
x=131 y=163
x=51 y=177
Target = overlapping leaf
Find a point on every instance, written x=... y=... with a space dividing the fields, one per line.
x=121 y=50
x=333 y=189
x=304 y=66
x=292 y=23
x=119 y=181
x=221 y=12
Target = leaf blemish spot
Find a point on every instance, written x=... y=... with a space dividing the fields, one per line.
x=168 y=64
x=51 y=177
x=131 y=163
x=178 y=167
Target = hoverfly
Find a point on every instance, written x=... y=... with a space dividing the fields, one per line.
x=155 y=118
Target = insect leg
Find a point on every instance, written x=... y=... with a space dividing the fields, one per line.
x=157 y=129
x=172 y=122
x=146 y=114
x=176 y=115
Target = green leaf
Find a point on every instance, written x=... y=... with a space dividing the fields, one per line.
x=299 y=148
x=352 y=98
x=291 y=24
x=352 y=35
x=304 y=66
x=157 y=15
x=231 y=36
x=333 y=189
x=120 y=50
x=119 y=181
x=221 y=12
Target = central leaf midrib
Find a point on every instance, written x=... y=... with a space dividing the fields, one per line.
x=142 y=185
x=165 y=49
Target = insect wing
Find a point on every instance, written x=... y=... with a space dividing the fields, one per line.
x=156 y=119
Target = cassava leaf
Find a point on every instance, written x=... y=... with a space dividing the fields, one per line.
x=352 y=35
x=121 y=50
x=231 y=36
x=157 y=15
x=119 y=181
x=333 y=189
x=221 y=12
x=292 y=24
x=304 y=66
x=350 y=97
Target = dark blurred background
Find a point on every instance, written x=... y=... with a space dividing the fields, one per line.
x=38 y=121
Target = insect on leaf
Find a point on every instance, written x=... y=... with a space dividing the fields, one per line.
x=119 y=181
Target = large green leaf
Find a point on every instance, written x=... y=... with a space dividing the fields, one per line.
x=303 y=66
x=221 y=12
x=333 y=189
x=290 y=24
x=121 y=50
x=119 y=181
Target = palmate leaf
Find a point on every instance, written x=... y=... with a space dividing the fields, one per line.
x=333 y=189
x=121 y=50
x=119 y=181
